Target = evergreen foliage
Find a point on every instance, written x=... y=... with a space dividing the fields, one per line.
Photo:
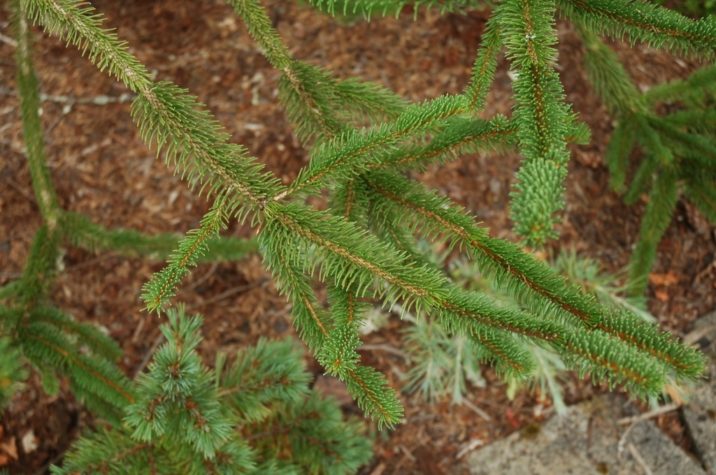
x=443 y=364
x=361 y=138
x=694 y=7
x=368 y=8
x=678 y=149
x=35 y=332
x=11 y=371
x=255 y=414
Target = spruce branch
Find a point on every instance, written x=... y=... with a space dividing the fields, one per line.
x=700 y=191
x=698 y=120
x=339 y=353
x=662 y=201
x=76 y=23
x=261 y=30
x=369 y=8
x=466 y=313
x=310 y=320
x=645 y=22
x=28 y=89
x=520 y=273
x=308 y=92
x=165 y=114
x=353 y=151
x=618 y=151
x=253 y=415
x=301 y=85
x=610 y=80
x=368 y=99
x=198 y=147
x=541 y=114
x=178 y=392
x=82 y=232
x=113 y=451
x=312 y=97
x=698 y=147
x=368 y=387
x=458 y=137
x=350 y=256
x=10 y=289
x=695 y=84
x=316 y=439
x=40 y=267
x=297 y=240
x=483 y=70
x=262 y=375
x=43 y=345
x=163 y=285
x=12 y=372
x=671 y=149
x=85 y=334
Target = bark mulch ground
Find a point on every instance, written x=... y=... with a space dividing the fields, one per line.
x=101 y=168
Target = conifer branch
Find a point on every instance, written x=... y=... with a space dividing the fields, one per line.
x=352 y=257
x=178 y=386
x=313 y=99
x=657 y=155
x=339 y=353
x=366 y=386
x=619 y=149
x=459 y=136
x=696 y=83
x=701 y=192
x=12 y=372
x=701 y=121
x=163 y=284
x=255 y=416
x=368 y=99
x=191 y=139
x=301 y=84
x=76 y=23
x=522 y=274
x=83 y=233
x=541 y=114
x=309 y=319
x=296 y=240
x=45 y=346
x=662 y=201
x=10 y=289
x=195 y=143
x=664 y=141
x=353 y=151
x=609 y=78
x=261 y=375
x=645 y=22
x=28 y=89
x=369 y=8
x=113 y=451
x=259 y=26
x=600 y=357
x=483 y=70
x=465 y=313
x=40 y=267
x=700 y=148
x=310 y=87
x=86 y=335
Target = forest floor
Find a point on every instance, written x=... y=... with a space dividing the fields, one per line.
x=101 y=168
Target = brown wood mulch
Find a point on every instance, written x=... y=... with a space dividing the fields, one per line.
x=101 y=168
